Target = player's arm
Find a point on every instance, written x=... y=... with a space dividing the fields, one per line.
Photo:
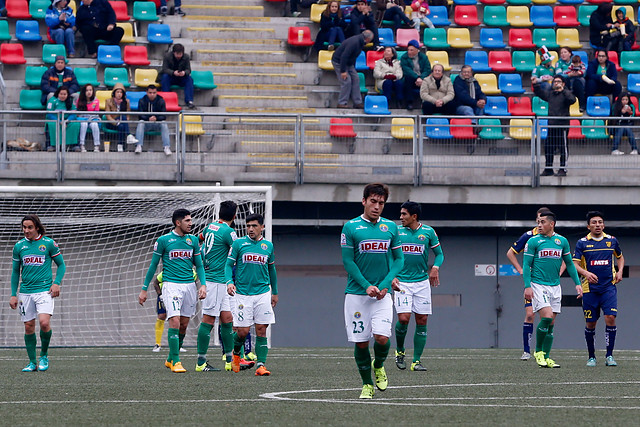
x=15 y=280
x=155 y=260
x=348 y=260
x=273 y=279
x=527 y=262
x=620 y=263
x=62 y=268
x=228 y=274
x=434 y=273
x=513 y=259
x=591 y=277
x=202 y=290
x=563 y=267
x=573 y=272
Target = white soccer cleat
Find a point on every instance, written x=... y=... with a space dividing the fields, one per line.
x=525 y=356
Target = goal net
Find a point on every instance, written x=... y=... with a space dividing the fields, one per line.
x=106 y=236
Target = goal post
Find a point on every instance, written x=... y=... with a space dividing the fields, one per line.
x=106 y=236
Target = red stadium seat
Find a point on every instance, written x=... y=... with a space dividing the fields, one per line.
x=520 y=106
x=613 y=57
x=462 y=129
x=565 y=16
x=520 y=38
x=171 y=100
x=299 y=36
x=466 y=16
x=136 y=55
x=575 y=130
x=121 y=10
x=372 y=57
x=492 y=2
x=342 y=128
x=12 y=53
x=18 y=9
x=500 y=60
x=634 y=101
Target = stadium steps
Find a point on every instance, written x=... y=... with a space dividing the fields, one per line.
x=232 y=21
x=281 y=146
x=239 y=55
x=270 y=101
x=223 y=10
x=253 y=78
x=239 y=43
x=262 y=89
x=224 y=32
x=270 y=110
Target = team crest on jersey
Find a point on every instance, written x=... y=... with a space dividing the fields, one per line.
x=175 y=298
x=264 y=246
x=374 y=246
x=402 y=291
x=250 y=258
x=180 y=254
x=188 y=240
x=384 y=228
x=422 y=237
x=557 y=242
x=33 y=260
x=42 y=248
x=240 y=306
x=608 y=244
x=357 y=315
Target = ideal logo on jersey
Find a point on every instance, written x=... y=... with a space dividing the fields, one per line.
x=597 y=262
x=33 y=260
x=409 y=249
x=374 y=246
x=180 y=254
x=550 y=253
x=254 y=259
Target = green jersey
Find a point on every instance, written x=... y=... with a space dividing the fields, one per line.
x=415 y=248
x=33 y=259
x=178 y=255
x=254 y=261
x=371 y=244
x=544 y=254
x=217 y=238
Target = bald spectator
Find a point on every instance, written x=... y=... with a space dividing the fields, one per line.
x=437 y=93
x=344 y=64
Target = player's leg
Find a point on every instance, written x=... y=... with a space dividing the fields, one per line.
x=357 y=323
x=527 y=330
x=27 y=308
x=160 y=320
x=210 y=309
x=542 y=306
x=262 y=349
x=187 y=311
x=610 y=309
x=381 y=317
x=591 y=311
x=242 y=321
x=555 y=294
x=44 y=308
x=263 y=316
x=403 y=301
x=227 y=335
x=422 y=309
x=173 y=296
x=238 y=342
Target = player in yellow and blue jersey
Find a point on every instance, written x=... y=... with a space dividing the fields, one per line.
x=594 y=257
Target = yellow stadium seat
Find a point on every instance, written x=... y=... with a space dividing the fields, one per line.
x=316 y=11
x=518 y=16
x=488 y=83
x=568 y=37
x=439 y=57
x=402 y=128
x=193 y=127
x=520 y=128
x=544 y=1
x=574 y=110
x=324 y=60
x=72 y=5
x=128 y=32
x=554 y=57
x=145 y=77
x=459 y=38
x=102 y=96
x=629 y=15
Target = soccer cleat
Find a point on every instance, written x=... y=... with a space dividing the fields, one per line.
x=591 y=362
x=183 y=350
x=525 y=356
x=246 y=364
x=367 y=391
x=31 y=367
x=235 y=363
x=417 y=366
x=400 y=363
x=551 y=363
x=610 y=361
x=381 y=377
x=262 y=371
x=540 y=359
x=251 y=356
x=43 y=365
x=178 y=368
x=168 y=364
x=156 y=348
x=205 y=367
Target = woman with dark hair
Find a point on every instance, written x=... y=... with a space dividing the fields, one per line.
x=602 y=76
x=88 y=102
x=61 y=101
x=623 y=108
x=388 y=75
x=332 y=27
x=599 y=25
x=116 y=107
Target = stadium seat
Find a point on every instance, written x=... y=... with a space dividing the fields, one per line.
x=574 y=110
x=144 y=11
x=520 y=129
x=403 y=128
x=583 y=56
x=121 y=10
x=159 y=34
x=324 y=60
x=134 y=98
x=545 y=37
x=50 y=51
x=459 y=38
x=520 y=106
x=510 y=84
x=87 y=75
x=519 y=2
x=439 y=16
x=405 y=35
x=363 y=85
x=12 y=53
x=103 y=95
x=171 y=100
x=491 y=129
x=386 y=37
x=575 y=130
x=361 y=62
x=492 y=2
x=478 y=60
x=554 y=57
x=465 y=2
x=38 y=8
x=594 y=129
x=436 y=38
x=630 y=61
x=136 y=55
x=500 y=61
x=491 y=38
x=372 y=57
x=631 y=2
x=462 y=129
x=540 y=107
x=144 y=77
x=466 y=16
x=633 y=83
x=598 y=106
x=568 y=37
x=544 y=128
x=495 y=16
x=584 y=13
x=299 y=36
x=376 y=104
x=439 y=57
x=110 y=54
x=316 y=12
x=4 y=31
x=488 y=83
x=437 y=128
x=496 y=106
x=547 y=2
x=542 y=16
x=28 y=31
x=341 y=127
x=17 y=9
x=565 y=16
x=33 y=75
x=30 y=99
x=520 y=38
x=524 y=61
x=613 y=57
x=203 y=79
x=571 y=1
x=518 y=16
x=112 y=76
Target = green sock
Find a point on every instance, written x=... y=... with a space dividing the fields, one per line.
x=363 y=361
x=226 y=330
x=419 y=341
x=242 y=350
x=204 y=336
x=380 y=352
x=30 y=342
x=541 y=332
x=174 y=345
x=181 y=339
x=401 y=332
x=45 y=339
x=548 y=342
x=262 y=349
x=238 y=343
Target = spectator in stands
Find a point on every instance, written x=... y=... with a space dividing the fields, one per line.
x=394 y=11
x=573 y=70
x=293 y=7
x=62 y=25
x=88 y=107
x=602 y=76
x=116 y=107
x=420 y=10
x=344 y=61
x=544 y=72
x=415 y=68
x=469 y=99
x=58 y=75
x=332 y=26
x=177 y=10
x=624 y=109
x=388 y=75
x=154 y=105
x=560 y=100
x=362 y=19
x=60 y=101
x=96 y=20
x=599 y=25
x=624 y=35
x=176 y=70
x=437 y=93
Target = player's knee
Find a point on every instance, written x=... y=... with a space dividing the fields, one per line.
x=421 y=319
x=261 y=330
x=380 y=339
x=29 y=328
x=610 y=320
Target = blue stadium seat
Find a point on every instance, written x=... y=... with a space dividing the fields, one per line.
x=465 y=2
x=633 y=83
x=437 y=128
x=439 y=16
x=361 y=62
x=28 y=31
x=598 y=106
x=134 y=98
x=478 y=60
x=541 y=16
x=496 y=106
x=544 y=129
x=110 y=55
x=510 y=83
x=159 y=34
x=571 y=1
x=491 y=38
x=376 y=104
x=386 y=37
x=583 y=56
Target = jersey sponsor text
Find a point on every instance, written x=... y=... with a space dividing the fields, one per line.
x=34 y=260
x=374 y=246
x=412 y=249
x=254 y=258
x=550 y=253
x=181 y=254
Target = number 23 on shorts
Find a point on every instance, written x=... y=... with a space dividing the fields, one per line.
x=358 y=326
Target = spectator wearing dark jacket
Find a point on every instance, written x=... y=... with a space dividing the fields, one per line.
x=96 y=20
x=415 y=68
x=361 y=18
x=623 y=108
x=56 y=76
x=332 y=26
x=62 y=25
x=469 y=99
x=344 y=64
x=600 y=23
x=176 y=70
x=625 y=36
x=153 y=105
x=602 y=76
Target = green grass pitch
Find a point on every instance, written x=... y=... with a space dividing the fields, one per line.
x=131 y=386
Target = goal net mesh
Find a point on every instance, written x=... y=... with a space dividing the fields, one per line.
x=107 y=239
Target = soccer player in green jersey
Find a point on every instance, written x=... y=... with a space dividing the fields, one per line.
x=255 y=288
x=372 y=257
x=543 y=257
x=179 y=252
x=412 y=286
x=32 y=258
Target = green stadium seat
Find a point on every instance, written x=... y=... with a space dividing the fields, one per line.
x=630 y=61
x=545 y=37
x=490 y=129
x=30 y=99
x=594 y=129
x=203 y=80
x=112 y=76
x=86 y=76
x=584 y=13
x=435 y=38
x=33 y=75
x=363 y=86
x=38 y=8
x=540 y=107
x=524 y=61
x=4 y=31
x=144 y=11
x=495 y=16
x=50 y=51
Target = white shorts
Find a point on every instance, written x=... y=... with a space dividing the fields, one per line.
x=253 y=309
x=414 y=297
x=31 y=305
x=365 y=316
x=179 y=299
x=546 y=296
x=217 y=299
